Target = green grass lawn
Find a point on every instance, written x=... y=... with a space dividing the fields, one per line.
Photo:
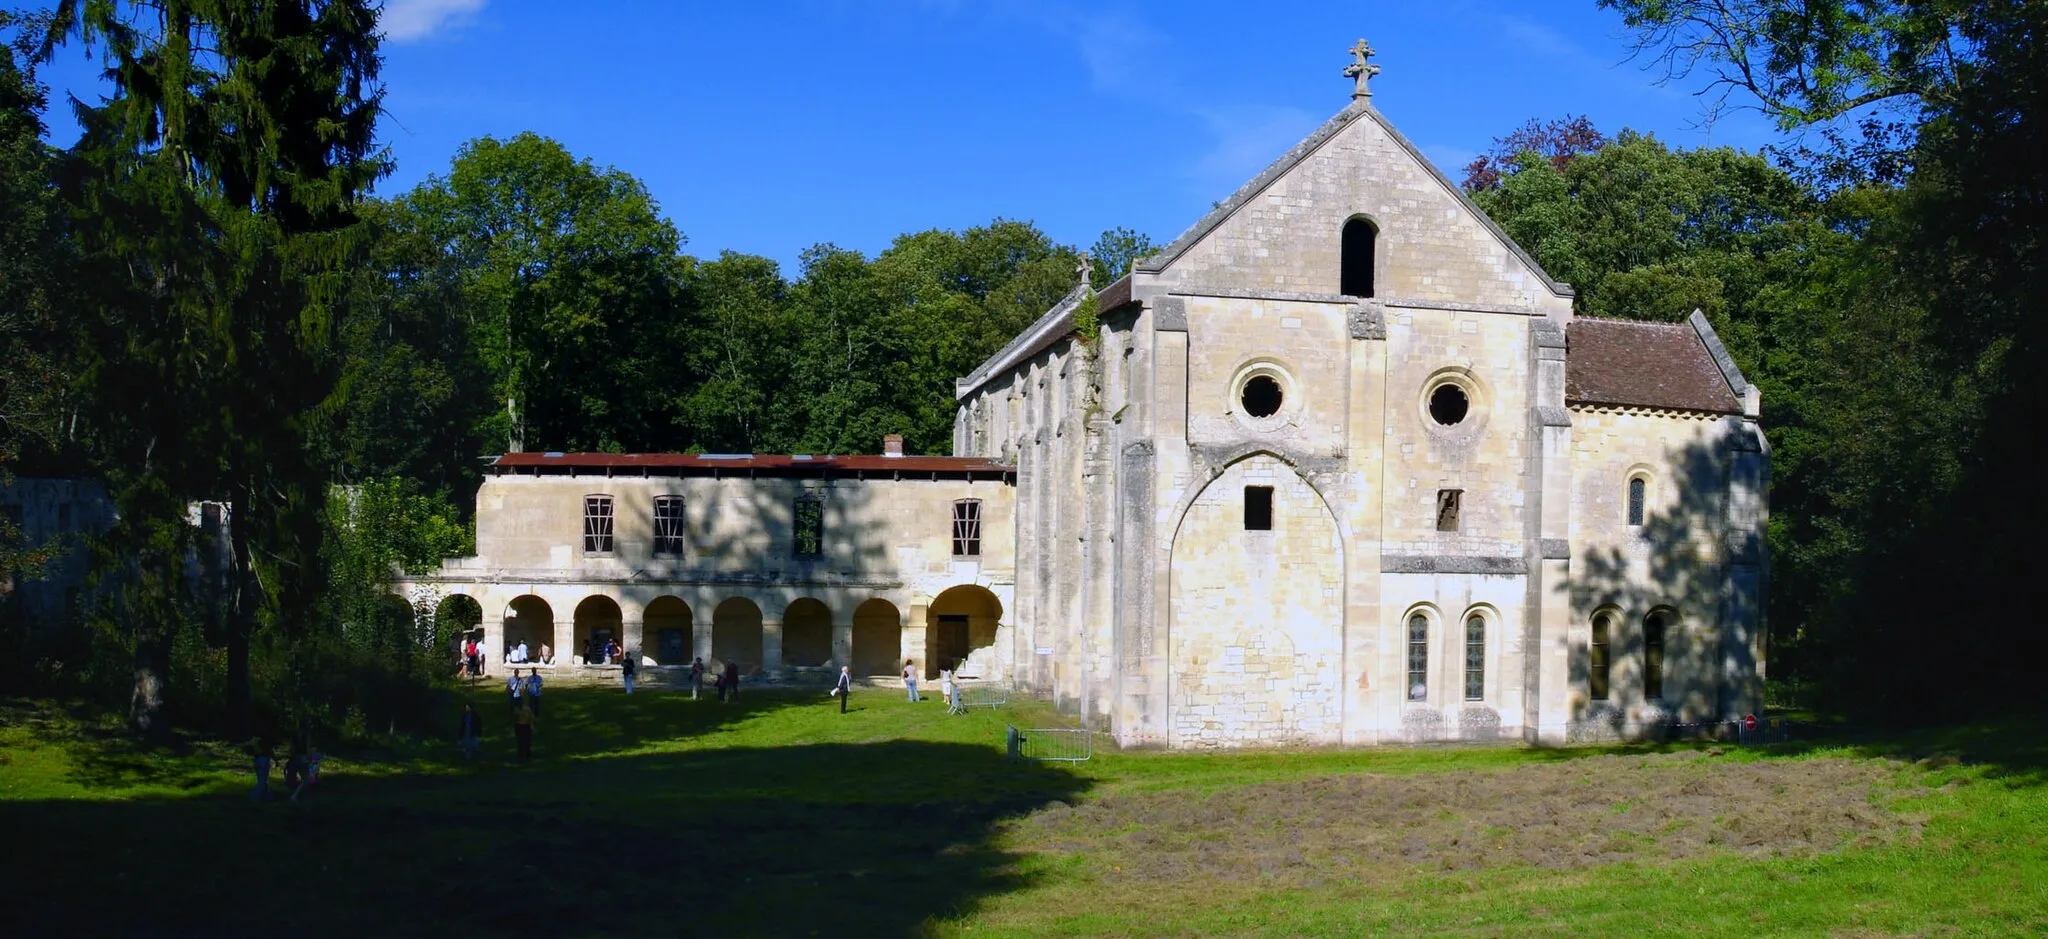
x=656 y=815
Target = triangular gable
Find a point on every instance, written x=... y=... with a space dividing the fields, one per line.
x=1301 y=153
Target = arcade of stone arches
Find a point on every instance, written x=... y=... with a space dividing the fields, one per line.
x=956 y=628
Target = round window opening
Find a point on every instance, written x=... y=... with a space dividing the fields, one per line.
x=1261 y=396
x=1448 y=404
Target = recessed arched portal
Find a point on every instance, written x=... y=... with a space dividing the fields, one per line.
x=529 y=618
x=393 y=623
x=458 y=614
x=666 y=632
x=736 y=635
x=598 y=621
x=807 y=633
x=877 y=638
x=960 y=622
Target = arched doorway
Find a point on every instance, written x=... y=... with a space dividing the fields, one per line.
x=666 y=632
x=394 y=623
x=736 y=635
x=960 y=622
x=807 y=633
x=877 y=638
x=457 y=618
x=530 y=619
x=1256 y=658
x=598 y=620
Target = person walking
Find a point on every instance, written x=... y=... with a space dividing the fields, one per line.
x=910 y=680
x=844 y=689
x=522 y=727
x=626 y=669
x=950 y=688
x=470 y=730
x=533 y=692
x=732 y=680
x=512 y=688
x=696 y=676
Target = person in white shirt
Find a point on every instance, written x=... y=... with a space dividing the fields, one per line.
x=951 y=691
x=518 y=656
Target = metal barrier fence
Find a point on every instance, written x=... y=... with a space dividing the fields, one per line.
x=1049 y=744
x=979 y=694
x=1747 y=732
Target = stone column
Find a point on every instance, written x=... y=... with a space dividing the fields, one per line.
x=914 y=620
x=771 y=645
x=842 y=644
x=633 y=630
x=1550 y=629
x=494 y=638
x=565 y=637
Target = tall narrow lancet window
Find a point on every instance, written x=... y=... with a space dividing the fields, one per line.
x=1636 y=493
x=1653 y=656
x=1603 y=631
x=1475 y=658
x=1360 y=238
x=1418 y=658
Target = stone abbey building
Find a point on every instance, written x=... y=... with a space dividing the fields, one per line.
x=1336 y=466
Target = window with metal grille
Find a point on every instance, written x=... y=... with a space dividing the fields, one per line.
x=810 y=528
x=1636 y=489
x=967 y=528
x=1448 y=502
x=1653 y=656
x=1475 y=658
x=597 y=524
x=1258 y=508
x=1418 y=658
x=1596 y=670
x=668 y=524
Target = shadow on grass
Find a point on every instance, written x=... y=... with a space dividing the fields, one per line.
x=865 y=839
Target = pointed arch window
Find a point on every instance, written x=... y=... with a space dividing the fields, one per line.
x=1653 y=654
x=1597 y=664
x=1475 y=657
x=1418 y=658
x=1361 y=238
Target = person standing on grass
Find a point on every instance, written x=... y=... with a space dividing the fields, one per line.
x=696 y=676
x=470 y=730
x=533 y=692
x=910 y=680
x=626 y=669
x=949 y=688
x=522 y=727
x=512 y=689
x=844 y=689
x=732 y=680
x=260 y=749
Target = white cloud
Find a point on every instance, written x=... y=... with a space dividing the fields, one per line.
x=413 y=20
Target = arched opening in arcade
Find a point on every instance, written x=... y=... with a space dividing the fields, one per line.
x=394 y=623
x=807 y=634
x=959 y=623
x=736 y=635
x=598 y=622
x=666 y=631
x=531 y=620
x=877 y=639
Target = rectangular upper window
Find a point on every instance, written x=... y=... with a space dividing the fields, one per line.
x=597 y=524
x=668 y=524
x=1448 y=504
x=809 y=528
x=1258 y=508
x=967 y=528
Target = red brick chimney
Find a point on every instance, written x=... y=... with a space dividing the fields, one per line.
x=892 y=445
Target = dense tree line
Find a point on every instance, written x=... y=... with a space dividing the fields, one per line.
x=204 y=299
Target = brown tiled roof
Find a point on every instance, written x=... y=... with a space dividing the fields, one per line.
x=1648 y=365
x=773 y=464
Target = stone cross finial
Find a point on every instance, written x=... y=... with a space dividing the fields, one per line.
x=1360 y=70
x=1086 y=269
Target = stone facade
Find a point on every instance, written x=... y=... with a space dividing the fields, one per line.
x=1420 y=577
x=1337 y=466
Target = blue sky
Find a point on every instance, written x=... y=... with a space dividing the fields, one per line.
x=766 y=127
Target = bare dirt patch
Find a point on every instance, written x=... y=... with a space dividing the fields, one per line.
x=1575 y=813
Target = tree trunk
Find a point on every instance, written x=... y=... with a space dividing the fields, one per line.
x=241 y=611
